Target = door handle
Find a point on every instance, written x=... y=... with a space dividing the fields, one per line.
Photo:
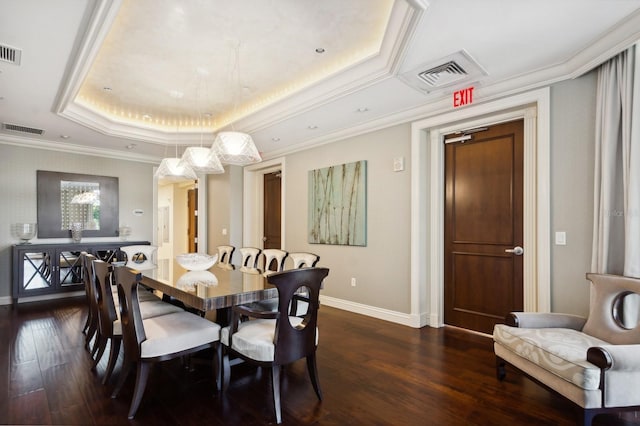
x=264 y=239
x=517 y=250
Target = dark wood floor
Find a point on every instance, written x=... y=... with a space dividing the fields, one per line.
x=371 y=372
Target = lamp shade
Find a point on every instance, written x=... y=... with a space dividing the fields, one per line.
x=235 y=148
x=202 y=160
x=173 y=169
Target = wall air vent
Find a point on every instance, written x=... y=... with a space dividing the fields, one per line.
x=457 y=69
x=21 y=129
x=10 y=54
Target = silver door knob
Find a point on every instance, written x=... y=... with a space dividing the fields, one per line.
x=517 y=250
x=264 y=239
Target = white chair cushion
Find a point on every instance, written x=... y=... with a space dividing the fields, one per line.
x=148 y=309
x=176 y=332
x=560 y=351
x=156 y=308
x=254 y=338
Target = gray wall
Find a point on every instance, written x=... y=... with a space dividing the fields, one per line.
x=18 y=191
x=382 y=268
x=573 y=106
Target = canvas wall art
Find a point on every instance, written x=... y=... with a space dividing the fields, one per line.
x=338 y=204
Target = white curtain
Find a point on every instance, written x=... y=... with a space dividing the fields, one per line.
x=616 y=230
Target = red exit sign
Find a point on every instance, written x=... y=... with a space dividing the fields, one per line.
x=463 y=97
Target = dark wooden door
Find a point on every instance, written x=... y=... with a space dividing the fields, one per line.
x=483 y=223
x=192 y=230
x=272 y=213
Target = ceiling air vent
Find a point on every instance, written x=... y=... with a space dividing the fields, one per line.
x=10 y=54
x=22 y=129
x=443 y=74
x=457 y=70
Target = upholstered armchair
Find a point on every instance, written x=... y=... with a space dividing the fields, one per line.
x=594 y=362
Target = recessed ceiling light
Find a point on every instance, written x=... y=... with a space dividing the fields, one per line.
x=131 y=146
x=65 y=136
x=276 y=139
x=147 y=116
x=312 y=127
x=320 y=50
x=362 y=109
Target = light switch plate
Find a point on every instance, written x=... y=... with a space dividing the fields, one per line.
x=398 y=164
x=561 y=238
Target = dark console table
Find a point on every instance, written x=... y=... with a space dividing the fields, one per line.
x=40 y=269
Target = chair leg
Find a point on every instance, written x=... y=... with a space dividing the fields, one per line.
x=124 y=372
x=96 y=343
x=113 y=358
x=226 y=370
x=500 y=370
x=141 y=383
x=275 y=381
x=91 y=331
x=313 y=375
x=101 y=345
x=217 y=365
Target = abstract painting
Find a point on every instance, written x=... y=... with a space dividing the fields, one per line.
x=338 y=204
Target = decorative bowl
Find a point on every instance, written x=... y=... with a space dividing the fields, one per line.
x=25 y=231
x=196 y=261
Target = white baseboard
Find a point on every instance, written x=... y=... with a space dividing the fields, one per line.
x=8 y=300
x=415 y=321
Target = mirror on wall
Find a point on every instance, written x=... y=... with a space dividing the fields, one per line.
x=67 y=200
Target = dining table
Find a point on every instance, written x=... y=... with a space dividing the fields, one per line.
x=215 y=289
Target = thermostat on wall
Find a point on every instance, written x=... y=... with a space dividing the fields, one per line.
x=138 y=212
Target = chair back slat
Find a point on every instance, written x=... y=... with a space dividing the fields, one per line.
x=295 y=342
x=133 y=334
x=106 y=305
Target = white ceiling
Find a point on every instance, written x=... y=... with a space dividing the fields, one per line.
x=136 y=78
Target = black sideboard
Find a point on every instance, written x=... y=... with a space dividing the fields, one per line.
x=40 y=269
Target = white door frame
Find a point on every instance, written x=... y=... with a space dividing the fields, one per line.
x=253 y=193
x=427 y=195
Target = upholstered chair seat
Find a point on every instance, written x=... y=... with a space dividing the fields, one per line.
x=156 y=339
x=593 y=362
x=274 y=339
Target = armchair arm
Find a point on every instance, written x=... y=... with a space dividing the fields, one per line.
x=619 y=373
x=544 y=320
x=615 y=357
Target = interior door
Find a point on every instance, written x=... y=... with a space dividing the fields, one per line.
x=483 y=270
x=272 y=213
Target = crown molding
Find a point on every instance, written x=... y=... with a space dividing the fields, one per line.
x=23 y=142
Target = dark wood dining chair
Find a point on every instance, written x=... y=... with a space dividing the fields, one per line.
x=159 y=338
x=274 y=339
